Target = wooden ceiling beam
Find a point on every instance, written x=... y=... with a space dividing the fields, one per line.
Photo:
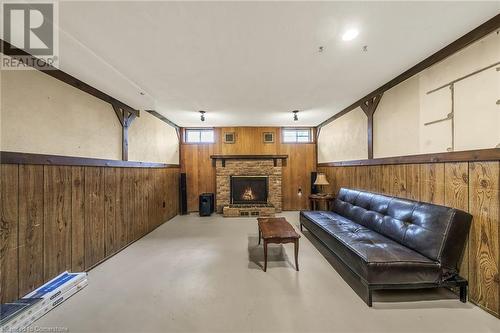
x=163 y=118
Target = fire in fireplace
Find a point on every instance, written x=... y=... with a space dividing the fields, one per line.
x=249 y=189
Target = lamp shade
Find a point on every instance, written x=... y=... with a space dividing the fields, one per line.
x=321 y=180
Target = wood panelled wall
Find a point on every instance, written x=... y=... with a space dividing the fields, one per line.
x=470 y=186
x=57 y=218
x=196 y=162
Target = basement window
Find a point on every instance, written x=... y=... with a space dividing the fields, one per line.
x=199 y=135
x=297 y=135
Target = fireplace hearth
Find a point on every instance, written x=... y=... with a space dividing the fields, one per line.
x=249 y=190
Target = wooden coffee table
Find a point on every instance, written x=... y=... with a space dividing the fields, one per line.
x=277 y=230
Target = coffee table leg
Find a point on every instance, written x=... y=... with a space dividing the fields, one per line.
x=296 y=254
x=265 y=255
x=259 y=236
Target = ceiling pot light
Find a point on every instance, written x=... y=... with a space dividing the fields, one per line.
x=202 y=117
x=295 y=115
x=350 y=34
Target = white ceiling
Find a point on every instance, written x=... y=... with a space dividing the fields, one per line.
x=252 y=63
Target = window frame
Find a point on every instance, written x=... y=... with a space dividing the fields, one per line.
x=198 y=129
x=297 y=129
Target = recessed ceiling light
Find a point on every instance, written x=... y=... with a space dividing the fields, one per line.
x=350 y=34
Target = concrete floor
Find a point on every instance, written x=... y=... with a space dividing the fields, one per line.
x=197 y=274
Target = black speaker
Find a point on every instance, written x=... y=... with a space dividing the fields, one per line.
x=314 y=188
x=183 y=194
x=206 y=204
x=212 y=202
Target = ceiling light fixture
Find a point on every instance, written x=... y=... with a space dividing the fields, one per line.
x=295 y=115
x=350 y=34
x=202 y=117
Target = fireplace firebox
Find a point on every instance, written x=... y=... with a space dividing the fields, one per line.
x=249 y=189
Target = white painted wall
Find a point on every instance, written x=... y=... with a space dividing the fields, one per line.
x=477 y=116
x=344 y=139
x=152 y=140
x=399 y=122
x=40 y=114
x=395 y=122
x=43 y=115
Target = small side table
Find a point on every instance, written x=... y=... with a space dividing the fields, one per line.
x=320 y=202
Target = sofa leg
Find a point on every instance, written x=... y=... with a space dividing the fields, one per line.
x=369 y=298
x=463 y=294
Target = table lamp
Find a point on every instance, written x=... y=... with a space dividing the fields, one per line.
x=321 y=181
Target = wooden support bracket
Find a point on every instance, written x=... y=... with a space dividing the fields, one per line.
x=369 y=107
x=125 y=117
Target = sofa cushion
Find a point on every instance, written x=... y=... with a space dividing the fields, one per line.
x=381 y=260
x=372 y=256
x=333 y=222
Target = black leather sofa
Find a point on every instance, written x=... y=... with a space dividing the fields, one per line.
x=393 y=243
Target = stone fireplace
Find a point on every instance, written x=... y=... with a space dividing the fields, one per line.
x=245 y=185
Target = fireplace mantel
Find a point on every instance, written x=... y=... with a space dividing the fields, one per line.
x=223 y=158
